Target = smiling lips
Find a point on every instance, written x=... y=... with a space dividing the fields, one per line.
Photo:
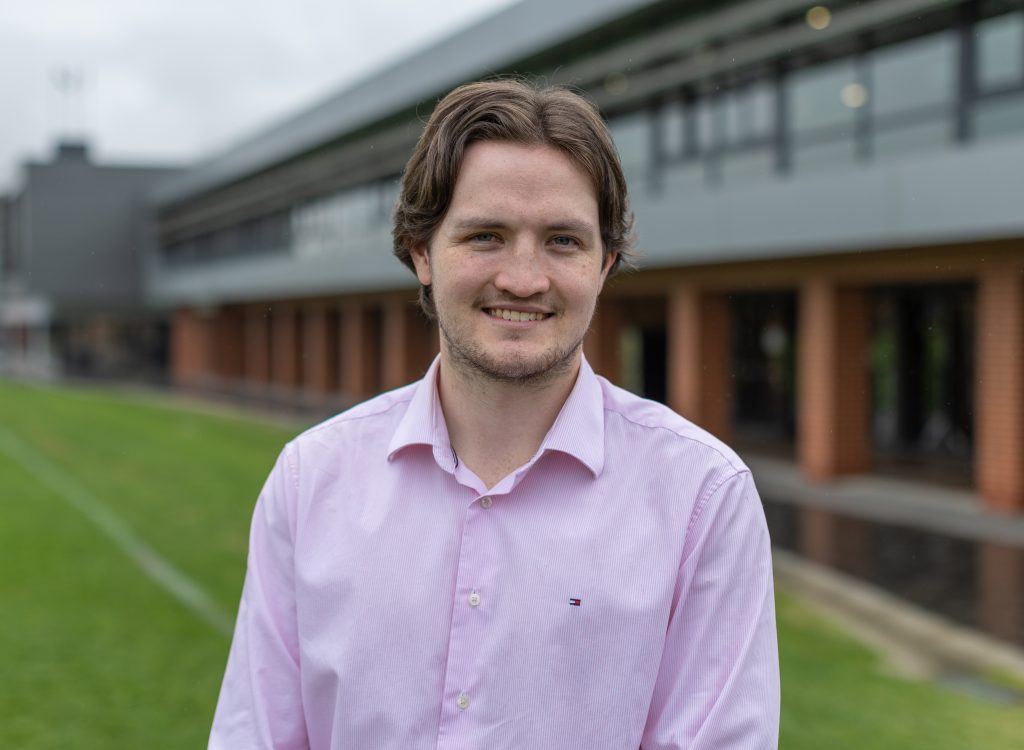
x=515 y=315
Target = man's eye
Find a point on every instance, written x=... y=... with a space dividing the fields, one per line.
x=484 y=237
x=564 y=241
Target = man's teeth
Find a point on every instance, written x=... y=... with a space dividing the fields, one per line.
x=497 y=312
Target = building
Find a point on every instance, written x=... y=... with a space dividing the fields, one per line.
x=71 y=278
x=830 y=204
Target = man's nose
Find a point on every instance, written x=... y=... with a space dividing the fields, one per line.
x=523 y=272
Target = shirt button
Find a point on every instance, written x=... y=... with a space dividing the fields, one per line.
x=474 y=599
x=463 y=701
x=485 y=502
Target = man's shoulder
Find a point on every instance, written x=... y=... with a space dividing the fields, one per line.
x=653 y=427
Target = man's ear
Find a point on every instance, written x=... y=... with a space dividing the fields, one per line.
x=421 y=259
x=608 y=263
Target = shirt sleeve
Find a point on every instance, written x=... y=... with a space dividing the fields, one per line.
x=260 y=703
x=718 y=681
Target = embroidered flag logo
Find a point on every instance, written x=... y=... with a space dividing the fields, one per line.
x=574 y=602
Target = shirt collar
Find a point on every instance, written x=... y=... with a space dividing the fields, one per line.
x=423 y=422
x=579 y=427
x=578 y=430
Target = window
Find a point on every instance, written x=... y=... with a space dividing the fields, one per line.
x=632 y=136
x=750 y=113
x=673 y=130
x=913 y=92
x=1000 y=59
x=816 y=97
x=823 y=102
x=914 y=75
x=706 y=124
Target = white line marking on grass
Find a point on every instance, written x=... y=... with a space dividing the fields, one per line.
x=176 y=583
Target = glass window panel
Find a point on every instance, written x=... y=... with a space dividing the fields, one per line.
x=815 y=95
x=673 y=124
x=1002 y=116
x=706 y=126
x=750 y=112
x=736 y=116
x=748 y=165
x=762 y=108
x=905 y=141
x=632 y=136
x=1001 y=51
x=914 y=74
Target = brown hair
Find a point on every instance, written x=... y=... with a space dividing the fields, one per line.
x=518 y=112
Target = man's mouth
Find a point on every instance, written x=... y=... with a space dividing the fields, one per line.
x=515 y=315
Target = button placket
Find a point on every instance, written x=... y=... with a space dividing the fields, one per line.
x=468 y=626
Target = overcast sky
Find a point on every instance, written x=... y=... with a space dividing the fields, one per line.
x=167 y=81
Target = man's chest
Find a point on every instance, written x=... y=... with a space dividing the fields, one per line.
x=435 y=612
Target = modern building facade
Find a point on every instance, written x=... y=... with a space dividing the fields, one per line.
x=830 y=212
x=72 y=239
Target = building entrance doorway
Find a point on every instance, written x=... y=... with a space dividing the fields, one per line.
x=764 y=371
x=922 y=359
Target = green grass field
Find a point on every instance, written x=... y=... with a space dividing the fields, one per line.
x=95 y=654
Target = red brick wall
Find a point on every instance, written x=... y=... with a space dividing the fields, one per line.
x=699 y=358
x=359 y=352
x=286 y=346
x=229 y=343
x=257 y=344
x=999 y=425
x=601 y=345
x=191 y=346
x=834 y=403
x=320 y=347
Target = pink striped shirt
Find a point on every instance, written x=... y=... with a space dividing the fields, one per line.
x=613 y=592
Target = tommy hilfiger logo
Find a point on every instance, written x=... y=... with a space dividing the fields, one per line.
x=575 y=602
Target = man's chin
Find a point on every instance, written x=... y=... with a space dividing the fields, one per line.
x=518 y=368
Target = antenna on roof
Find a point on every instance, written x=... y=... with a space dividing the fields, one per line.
x=69 y=84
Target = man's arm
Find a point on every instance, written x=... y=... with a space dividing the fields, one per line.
x=260 y=702
x=718 y=683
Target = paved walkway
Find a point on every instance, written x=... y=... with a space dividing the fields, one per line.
x=953 y=512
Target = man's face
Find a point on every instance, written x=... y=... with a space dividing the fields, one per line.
x=516 y=264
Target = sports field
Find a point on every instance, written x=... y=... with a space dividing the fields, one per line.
x=123 y=530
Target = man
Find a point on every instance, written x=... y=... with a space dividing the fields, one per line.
x=512 y=552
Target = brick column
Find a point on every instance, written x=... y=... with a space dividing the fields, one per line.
x=257 y=345
x=286 y=347
x=229 y=346
x=602 y=343
x=833 y=407
x=191 y=346
x=1001 y=591
x=999 y=421
x=359 y=352
x=408 y=343
x=320 y=346
x=699 y=358
x=424 y=342
x=396 y=344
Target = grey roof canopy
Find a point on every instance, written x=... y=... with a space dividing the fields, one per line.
x=516 y=32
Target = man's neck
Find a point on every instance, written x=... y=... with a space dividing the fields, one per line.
x=496 y=427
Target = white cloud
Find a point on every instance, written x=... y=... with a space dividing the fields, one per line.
x=170 y=80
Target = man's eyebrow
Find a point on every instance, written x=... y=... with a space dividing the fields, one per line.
x=580 y=227
x=478 y=223
x=483 y=222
